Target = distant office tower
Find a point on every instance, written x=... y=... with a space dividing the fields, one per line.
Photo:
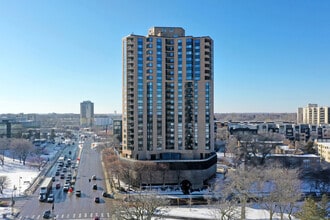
x=313 y=114
x=167 y=96
x=86 y=114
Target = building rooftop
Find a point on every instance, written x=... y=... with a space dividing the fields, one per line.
x=166 y=32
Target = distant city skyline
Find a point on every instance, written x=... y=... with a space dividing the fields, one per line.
x=270 y=56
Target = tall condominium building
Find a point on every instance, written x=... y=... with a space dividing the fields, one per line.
x=313 y=114
x=86 y=114
x=167 y=96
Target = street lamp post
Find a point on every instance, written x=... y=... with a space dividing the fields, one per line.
x=19 y=186
x=12 y=200
x=53 y=207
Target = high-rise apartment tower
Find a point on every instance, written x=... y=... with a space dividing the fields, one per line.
x=167 y=95
x=314 y=114
x=86 y=114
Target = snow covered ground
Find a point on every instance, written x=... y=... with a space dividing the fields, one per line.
x=20 y=177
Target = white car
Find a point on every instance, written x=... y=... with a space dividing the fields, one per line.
x=66 y=187
x=50 y=198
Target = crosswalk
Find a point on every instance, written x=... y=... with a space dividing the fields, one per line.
x=83 y=215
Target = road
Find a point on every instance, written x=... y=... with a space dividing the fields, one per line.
x=68 y=205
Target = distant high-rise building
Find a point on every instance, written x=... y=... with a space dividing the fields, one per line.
x=168 y=97
x=313 y=114
x=86 y=114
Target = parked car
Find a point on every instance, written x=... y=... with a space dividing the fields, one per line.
x=107 y=195
x=95 y=187
x=93 y=177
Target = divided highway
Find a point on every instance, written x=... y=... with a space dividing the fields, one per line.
x=66 y=204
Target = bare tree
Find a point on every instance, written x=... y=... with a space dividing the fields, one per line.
x=4 y=145
x=4 y=182
x=21 y=148
x=281 y=190
x=242 y=186
x=163 y=168
x=112 y=165
x=319 y=179
x=253 y=149
x=38 y=162
x=126 y=172
x=225 y=209
x=141 y=207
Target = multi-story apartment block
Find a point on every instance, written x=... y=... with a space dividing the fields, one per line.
x=86 y=114
x=168 y=97
x=313 y=114
x=323 y=149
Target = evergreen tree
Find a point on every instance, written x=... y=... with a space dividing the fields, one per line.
x=310 y=211
x=324 y=206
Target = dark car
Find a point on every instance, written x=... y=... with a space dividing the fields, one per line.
x=96 y=218
x=107 y=195
x=47 y=214
x=95 y=187
x=58 y=185
x=78 y=193
x=97 y=199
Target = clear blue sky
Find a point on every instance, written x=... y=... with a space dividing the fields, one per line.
x=270 y=55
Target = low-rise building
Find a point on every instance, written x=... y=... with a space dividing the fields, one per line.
x=323 y=149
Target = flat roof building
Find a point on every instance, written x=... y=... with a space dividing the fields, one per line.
x=167 y=96
x=86 y=114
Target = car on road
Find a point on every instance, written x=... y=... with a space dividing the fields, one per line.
x=97 y=199
x=62 y=176
x=66 y=187
x=93 y=177
x=78 y=193
x=107 y=195
x=58 y=185
x=50 y=198
x=95 y=187
x=96 y=218
x=47 y=214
